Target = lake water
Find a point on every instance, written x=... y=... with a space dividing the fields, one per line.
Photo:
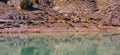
x=60 y=44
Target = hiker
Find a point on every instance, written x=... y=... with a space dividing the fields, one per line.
x=66 y=17
x=42 y=18
x=110 y=19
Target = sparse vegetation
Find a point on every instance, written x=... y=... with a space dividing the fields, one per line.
x=25 y=4
x=36 y=1
x=4 y=1
x=75 y=14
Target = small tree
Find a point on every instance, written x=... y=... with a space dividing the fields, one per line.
x=25 y=4
x=4 y=1
x=36 y=1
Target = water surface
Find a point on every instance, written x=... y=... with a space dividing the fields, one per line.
x=60 y=44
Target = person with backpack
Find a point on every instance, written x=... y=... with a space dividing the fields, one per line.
x=110 y=19
x=42 y=19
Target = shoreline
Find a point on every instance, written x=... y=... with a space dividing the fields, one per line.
x=52 y=30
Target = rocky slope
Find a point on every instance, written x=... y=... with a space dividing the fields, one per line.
x=84 y=7
x=83 y=14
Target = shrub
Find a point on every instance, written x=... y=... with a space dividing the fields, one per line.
x=4 y=1
x=36 y=1
x=25 y=4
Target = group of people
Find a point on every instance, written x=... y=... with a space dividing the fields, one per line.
x=77 y=19
x=114 y=19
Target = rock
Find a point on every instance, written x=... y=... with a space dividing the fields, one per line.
x=5 y=1
x=1 y=27
x=75 y=19
x=22 y=22
x=10 y=16
x=16 y=25
x=30 y=22
x=18 y=8
x=10 y=4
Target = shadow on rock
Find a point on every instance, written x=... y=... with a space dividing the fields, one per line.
x=32 y=9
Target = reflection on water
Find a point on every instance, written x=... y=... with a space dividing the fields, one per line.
x=61 y=44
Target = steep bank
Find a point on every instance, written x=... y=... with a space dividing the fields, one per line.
x=93 y=15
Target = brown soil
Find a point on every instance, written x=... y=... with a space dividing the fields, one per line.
x=93 y=17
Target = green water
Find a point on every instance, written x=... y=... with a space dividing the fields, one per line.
x=60 y=44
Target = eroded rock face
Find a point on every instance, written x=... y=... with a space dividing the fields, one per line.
x=77 y=5
x=85 y=7
x=13 y=2
x=82 y=7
